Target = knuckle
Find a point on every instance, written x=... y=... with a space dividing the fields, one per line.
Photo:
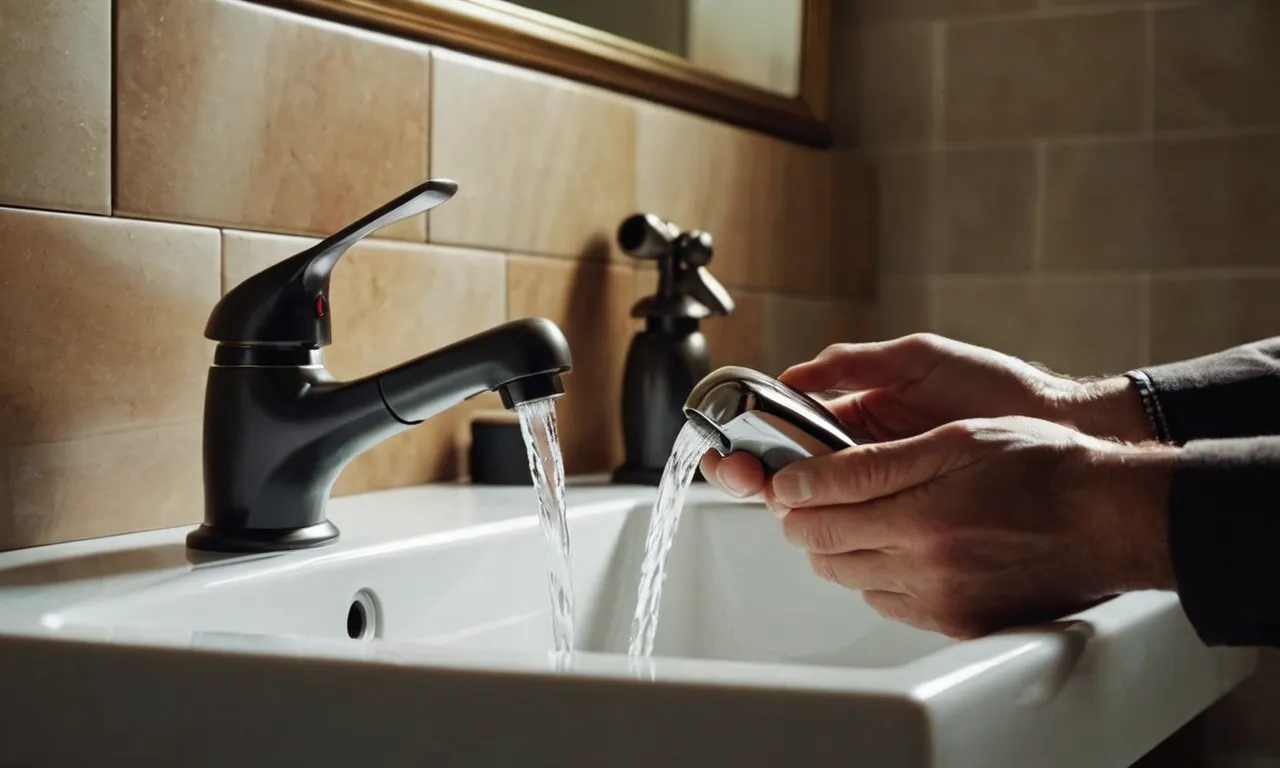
x=922 y=341
x=819 y=535
x=834 y=350
x=824 y=566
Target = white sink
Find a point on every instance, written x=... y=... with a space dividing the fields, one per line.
x=121 y=651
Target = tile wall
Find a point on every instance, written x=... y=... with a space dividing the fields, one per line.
x=155 y=152
x=1093 y=184
x=1088 y=183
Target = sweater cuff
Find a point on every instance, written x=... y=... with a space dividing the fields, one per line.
x=1224 y=520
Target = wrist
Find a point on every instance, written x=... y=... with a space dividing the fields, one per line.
x=1126 y=504
x=1108 y=408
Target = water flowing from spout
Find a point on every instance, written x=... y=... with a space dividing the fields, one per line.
x=693 y=441
x=538 y=425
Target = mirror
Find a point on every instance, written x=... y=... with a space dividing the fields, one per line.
x=756 y=42
x=761 y=64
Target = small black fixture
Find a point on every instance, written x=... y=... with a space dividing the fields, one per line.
x=670 y=355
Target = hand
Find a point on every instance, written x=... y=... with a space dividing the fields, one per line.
x=982 y=524
x=901 y=388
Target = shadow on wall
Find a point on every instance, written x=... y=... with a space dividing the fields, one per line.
x=593 y=311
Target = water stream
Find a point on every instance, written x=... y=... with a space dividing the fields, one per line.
x=538 y=424
x=693 y=441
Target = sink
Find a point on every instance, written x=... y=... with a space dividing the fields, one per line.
x=423 y=635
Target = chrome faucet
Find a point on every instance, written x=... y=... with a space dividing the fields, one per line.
x=278 y=428
x=749 y=411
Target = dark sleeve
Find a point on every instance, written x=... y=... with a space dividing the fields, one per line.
x=1224 y=506
x=1224 y=536
x=1235 y=393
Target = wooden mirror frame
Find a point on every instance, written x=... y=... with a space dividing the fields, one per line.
x=515 y=34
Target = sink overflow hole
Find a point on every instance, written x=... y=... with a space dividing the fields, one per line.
x=362 y=616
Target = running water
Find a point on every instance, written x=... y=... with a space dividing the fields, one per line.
x=538 y=425
x=693 y=441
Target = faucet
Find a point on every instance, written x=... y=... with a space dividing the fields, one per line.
x=278 y=428
x=745 y=410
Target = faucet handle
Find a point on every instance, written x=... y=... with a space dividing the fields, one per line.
x=287 y=304
x=699 y=283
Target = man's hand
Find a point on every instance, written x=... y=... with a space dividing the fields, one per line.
x=905 y=387
x=982 y=524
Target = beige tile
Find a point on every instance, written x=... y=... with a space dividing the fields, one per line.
x=1098 y=206
x=1194 y=316
x=1052 y=76
x=1215 y=202
x=766 y=202
x=101 y=485
x=740 y=338
x=853 y=224
x=902 y=307
x=873 y=11
x=1178 y=203
x=546 y=166
x=392 y=302
x=1217 y=65
x=957 y=211
x=1077 y=326
x=55 y=85
x=797 y=329
x=231 y=113
x=101 y=324
x=895 y=84
x=908 y=235
x=591 y=302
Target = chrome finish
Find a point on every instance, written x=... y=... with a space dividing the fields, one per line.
x=760 y=415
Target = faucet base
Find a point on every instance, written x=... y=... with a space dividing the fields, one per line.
x=261 y=539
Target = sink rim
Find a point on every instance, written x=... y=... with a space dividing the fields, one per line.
x=400 y=519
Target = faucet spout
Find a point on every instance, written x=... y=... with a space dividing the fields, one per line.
x=521 y=360
x=748 y=411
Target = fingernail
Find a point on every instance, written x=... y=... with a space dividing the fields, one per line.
x=792 y=488
x=777 y=509
x=730 y=487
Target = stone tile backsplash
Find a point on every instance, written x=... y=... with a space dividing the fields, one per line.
x=241 y=131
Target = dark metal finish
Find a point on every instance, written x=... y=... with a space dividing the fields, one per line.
x=278 y=428
x=670 y=355
x=758 y=414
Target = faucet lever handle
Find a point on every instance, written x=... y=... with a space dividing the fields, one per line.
x=287 y=304
x=699 y=283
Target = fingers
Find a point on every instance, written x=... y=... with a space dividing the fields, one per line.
x=868 y=471
x=896 y=606
x=858 y=570
x=836 y=530
x=864 y=366
x=739 y=474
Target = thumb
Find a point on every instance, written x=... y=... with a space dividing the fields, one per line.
x=869 y=471
x=863 y=366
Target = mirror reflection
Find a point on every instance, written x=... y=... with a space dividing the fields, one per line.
x=756 y=42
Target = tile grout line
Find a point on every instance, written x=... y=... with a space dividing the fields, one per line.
x=114 y=113
x=1144 y=319
x=938 y=96
x=1038 y=193
x=1149 y=73
x=1187 y=134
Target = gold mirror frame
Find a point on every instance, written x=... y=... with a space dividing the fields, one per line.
x=514 y=34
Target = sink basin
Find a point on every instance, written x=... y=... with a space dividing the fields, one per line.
x=424 y=635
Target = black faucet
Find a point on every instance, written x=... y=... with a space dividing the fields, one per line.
x=670 y=355
x=278 y=428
